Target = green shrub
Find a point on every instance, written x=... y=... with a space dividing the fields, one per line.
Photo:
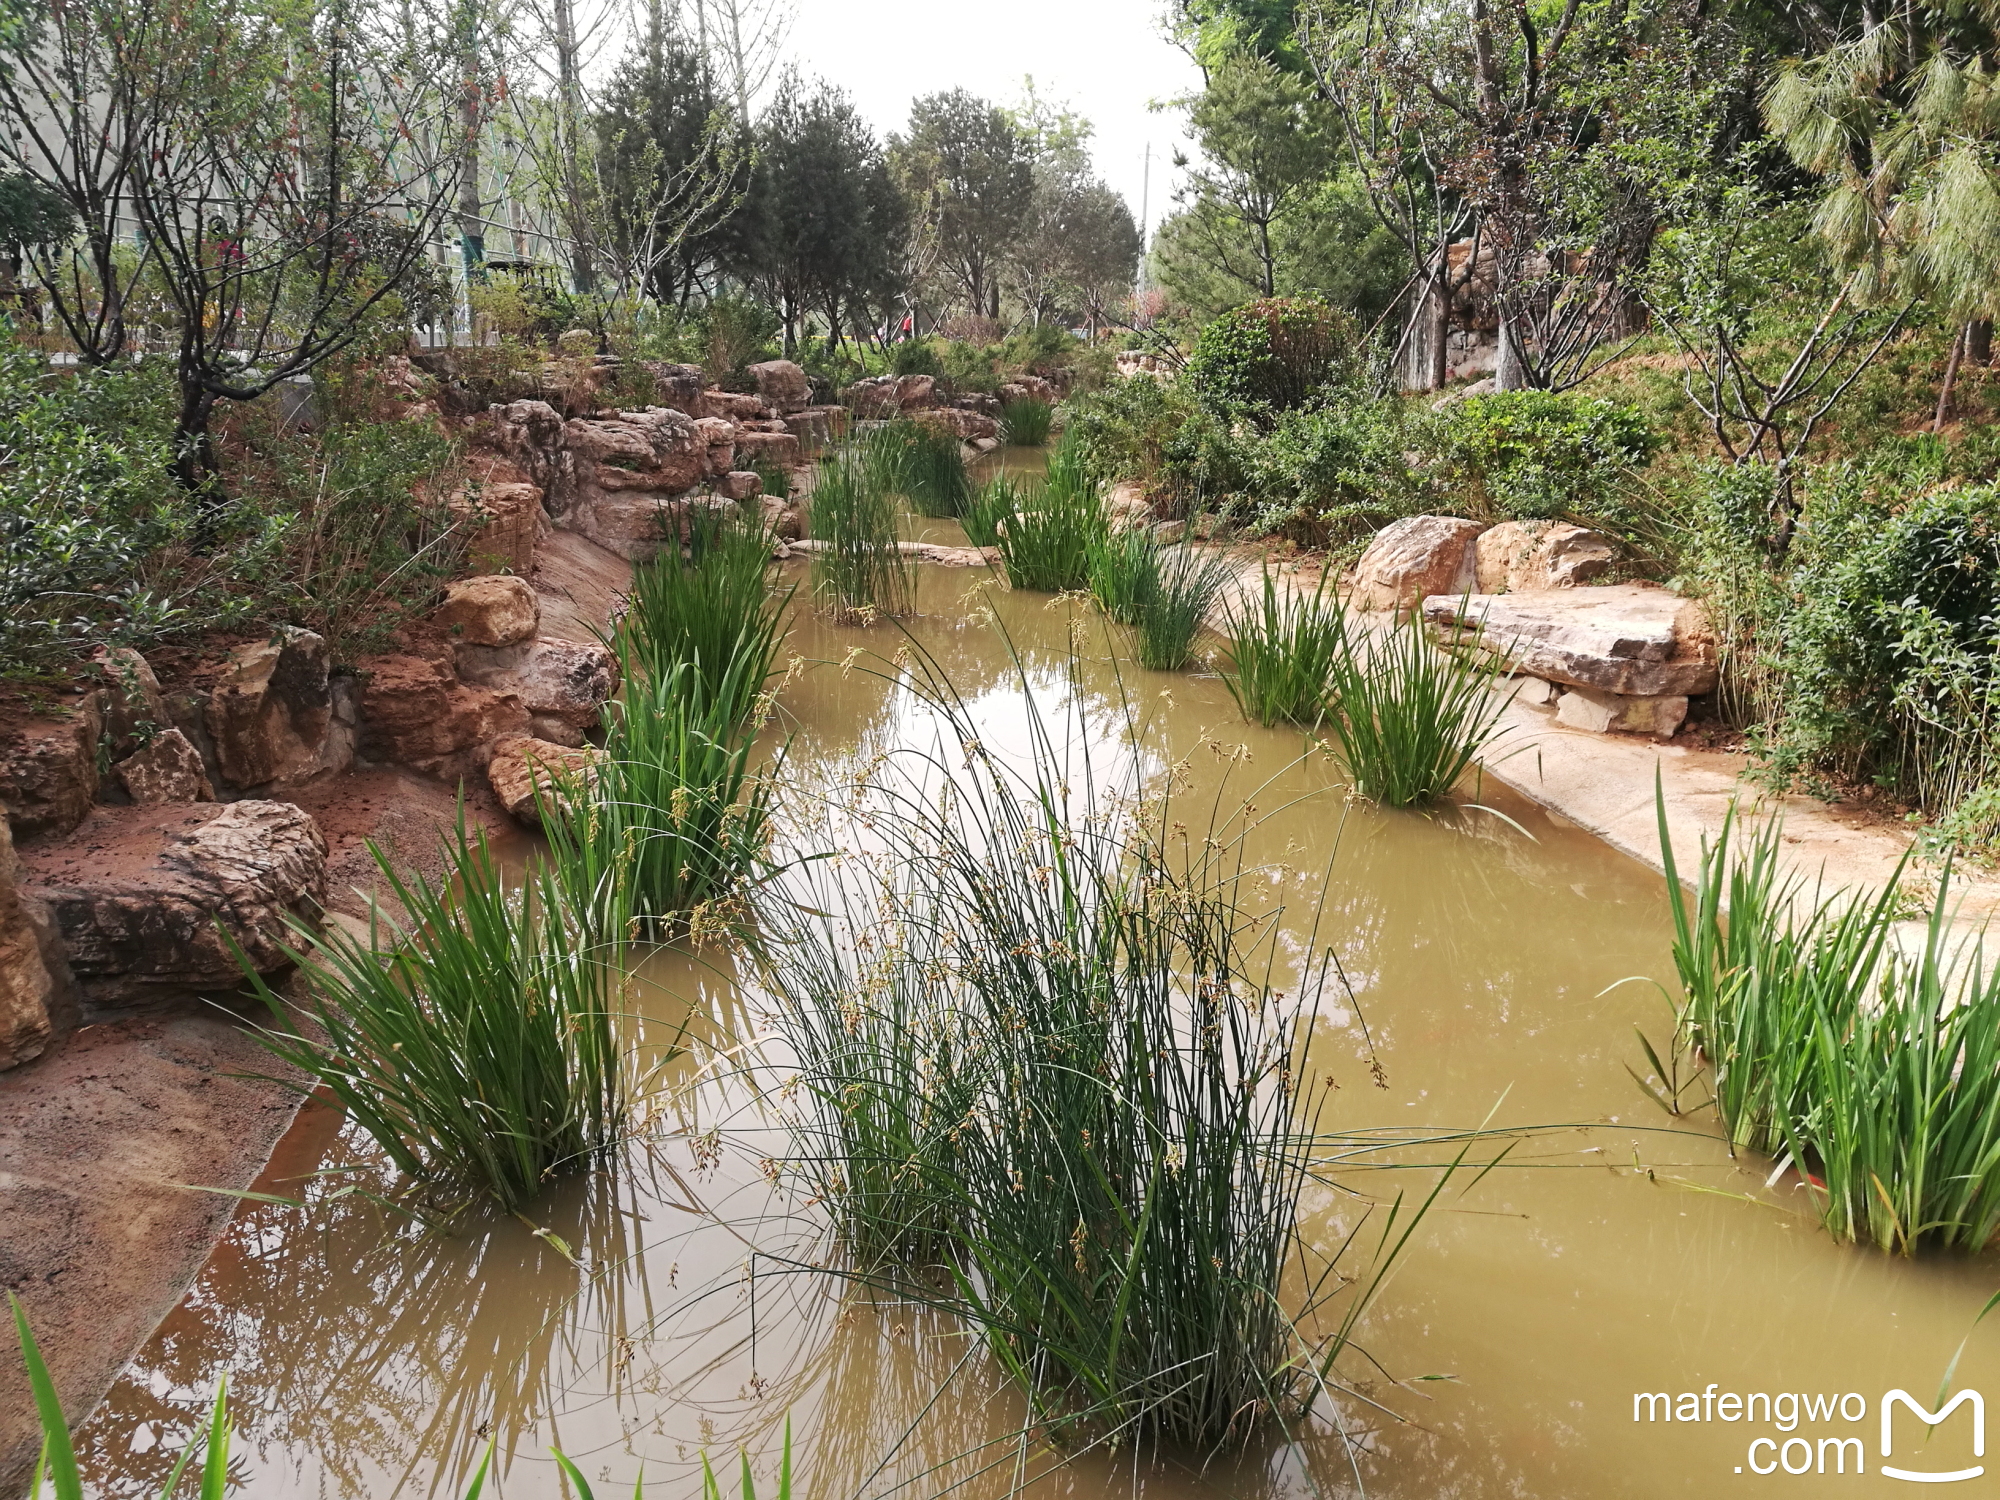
x=915 y=357
x=1538 y=455
x=1271 y=357
x=1335 y=474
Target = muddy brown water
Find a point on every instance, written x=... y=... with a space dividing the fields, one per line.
x=648 y=1322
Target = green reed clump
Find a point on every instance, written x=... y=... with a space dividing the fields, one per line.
x=673 y=819
x=1163 y=593
x=1411 y=717
x=1283 y=654
x=1871 y=1067
x=478 y=1043
x=993 y=504
x=1027 y=422
x=1046 y=542
x=708 y=605
x=860 y=571
x=928 y=467
x=1039 y=1037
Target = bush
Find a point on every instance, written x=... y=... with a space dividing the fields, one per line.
x=1538 y=455
x=915 y=357
x=1335 y=474
x=1271 y=357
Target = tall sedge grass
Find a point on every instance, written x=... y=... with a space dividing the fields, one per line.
x=1163 y=593
x=1871 y=1067
x=1001 y=497
x=707 y=608
x=1027 y=422
x=1284 y=652
x=675 y=819
x=57 y=1463
x=1046 y=541
x=1043 y=1066
x=860 y=571
x=477 y=1044
x=926 y=464
x=1410 y=717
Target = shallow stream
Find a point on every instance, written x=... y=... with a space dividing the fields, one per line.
x=639 y=1318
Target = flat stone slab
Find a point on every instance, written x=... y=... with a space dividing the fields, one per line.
x=924 y=552
x=1622 y=638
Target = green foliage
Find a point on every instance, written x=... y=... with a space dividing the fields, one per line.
x=1000 y=497
x=1332 y=475
x=736 y=333
x=1046 y=544
x=1163 y=593
x=1539 y=455
x=859 y=571
x=915 y=357
x=1271 y=357
x=32 y=213
x=1026 y=422
x=709 y=608
x=926 y=464
x=1153 y=432
x=1871 y=1068
x=1283 y=655
x=1410 y=717
x=478 y=1044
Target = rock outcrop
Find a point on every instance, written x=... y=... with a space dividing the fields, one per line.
x=270 y=714
x=415 y=712
x=1518 y=556
x=1628 y=638
x=781 y=385
x=1414 y=558
x=143 y=896
x=524 y=771
x=629 y=468
x=48 y=769
x=564 y=685
x=489 y=611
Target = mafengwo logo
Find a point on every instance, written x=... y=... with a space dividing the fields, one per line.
x=1944 y=1446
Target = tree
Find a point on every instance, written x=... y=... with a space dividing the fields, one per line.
x=1078 y=245
x=826 y=215
x=287 y=169
x=969 y=171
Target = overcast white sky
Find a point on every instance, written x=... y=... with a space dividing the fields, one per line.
x=1106 y=59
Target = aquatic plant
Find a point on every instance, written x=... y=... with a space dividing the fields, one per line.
x=673 y=819
x=928 y=467
x=477 y=1041
x=1283 y=653
x=993 y=503
x=1037 y=1039
x=1410 y=715
x=1026 y=422
x=1163 y=593
x=860 y=571
x=1045 y=543
x=1870 y=1067
x=708 y=606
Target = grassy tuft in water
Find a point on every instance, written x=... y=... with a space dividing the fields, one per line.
x=1163 y=593
x=476 y=1044
x=1411 y=717
x=1872 y=1068
x=1027 y=422
x=928 y=467
x=1046 y=541
x=707 y=607
x=1283 y=654
x=993 y=503
x=860 y=572
x=1040 y=1041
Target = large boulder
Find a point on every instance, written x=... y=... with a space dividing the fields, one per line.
x=415 y=712
x=1416 y=557
x=494 y=610
x=627 y=468
x=153 y=902
x=524 y=771
x=1521 y=555
x=271 y=711
x=564 y=684
x=506 y=521
x=718 y=438
x=1631 y=639
x=168 y=768
x=524 y=442
x=769 y=450
x=735 y=406
x=875 y=399
x=678 y=386
x=967 y=426
x=916 y=392
x=48 y=769
x=134 y=708
x=27 y=976
x=781 y=385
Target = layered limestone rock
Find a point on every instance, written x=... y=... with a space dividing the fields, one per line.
x=48 y=769
x=629 y=468
x=415 y=712
x=493 y=610
x=155 y=902
x=271 y=713
x=1632 y=639
x=1414 y=558
x=525 y=773
x=1518 y=556
x=564 y=685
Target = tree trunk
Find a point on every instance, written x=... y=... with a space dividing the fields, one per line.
x=583 y=266
x=471 y=208
x=194 y=458
x=1958 y=343
x=1979 y=341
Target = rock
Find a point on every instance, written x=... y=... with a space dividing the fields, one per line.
x=1128 y=507
x=524 y=442
x=48 y=770
x=718 y=435
x=781 y=518
x=1535 y=692
x=735 y=406
x=567 y=681
x=1520 y=555
x=1604 y=713
x=506 y=520
x=627 y=469
x=143 y=896
x=490 y=611
x=134 y=708
x=167 y=770
x=817 y=427
x=872 y=400
x=270 y=712
x=782 y=385
x=739 y=484
x=1028 y=388
x=27 y=985
x=415 y=712
x=967 y=426
x=582 y=586
x=1414 y=558
x=1625 y=638
x=522 y=766
x=678 y=386
x=985 y=445
x=915 y=392
x=770 y=450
